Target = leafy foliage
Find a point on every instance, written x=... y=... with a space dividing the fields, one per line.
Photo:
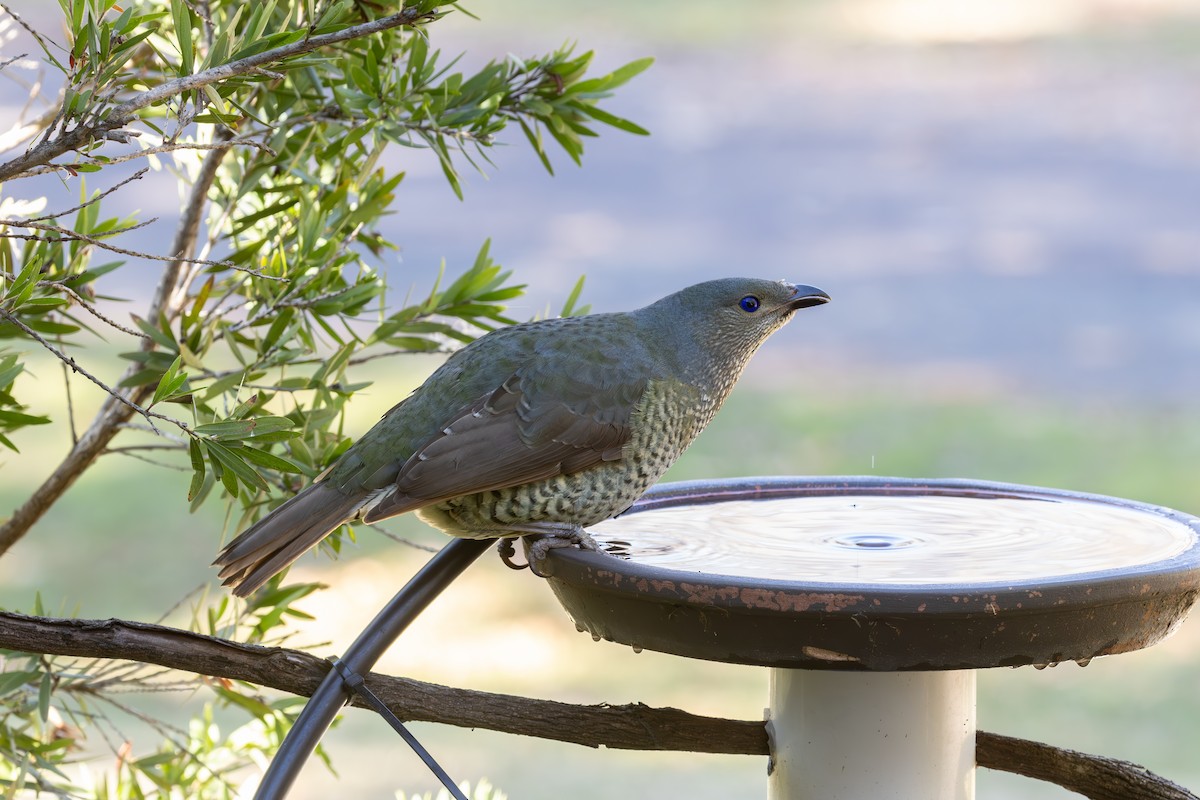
x=12 y=414
x=49 y=705
x=277 y=116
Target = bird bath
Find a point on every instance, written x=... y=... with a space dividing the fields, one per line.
x=874 y=600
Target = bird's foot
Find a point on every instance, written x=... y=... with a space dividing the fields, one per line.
x=543 y=544
x=507 y=552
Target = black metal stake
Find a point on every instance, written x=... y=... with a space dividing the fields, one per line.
x=375 y=639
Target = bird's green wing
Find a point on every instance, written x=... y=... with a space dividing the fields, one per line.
x=524 y=431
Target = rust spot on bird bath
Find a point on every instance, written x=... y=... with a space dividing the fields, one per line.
x=707 y=594
x=797 y=601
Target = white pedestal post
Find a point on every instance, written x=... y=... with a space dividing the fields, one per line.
x=872 y=735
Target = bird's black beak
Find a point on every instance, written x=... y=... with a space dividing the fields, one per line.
x=806 y=297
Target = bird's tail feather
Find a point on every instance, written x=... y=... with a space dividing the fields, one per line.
x=283 y=535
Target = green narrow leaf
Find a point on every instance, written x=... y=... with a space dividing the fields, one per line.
x=278 y=326
x=615 y=78
x=267 y=424
x=198 y=470
x=10 y=368
x=16 y=419
x=225 y=476
x=268 y=460
x=569 y=309
x=228 y=429
x=535 y=140
x=245 y=407
x=159 y=337
x=203 y=493
x=22 y=286
x=53 y=328
x=44 y=696
x=233 y=463
x=566 y=139
x=228 y=382
x=193 y=316
x=254 y=706
x=332 y=366
x=11 y=681
x=448 y=171
x=214 y=97
x=631 y=70
x=612 y=119
x=183 y=28
x=170 y=382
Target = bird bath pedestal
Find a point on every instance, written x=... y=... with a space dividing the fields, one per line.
x=873 y=601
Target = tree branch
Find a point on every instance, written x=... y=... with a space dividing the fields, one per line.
x=121 y=115
x=628 y=727
x=1095 y=777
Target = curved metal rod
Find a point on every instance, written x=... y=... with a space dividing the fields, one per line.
x=370 y=645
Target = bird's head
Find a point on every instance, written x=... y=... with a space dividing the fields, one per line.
x=739 y=312
x=725 y=320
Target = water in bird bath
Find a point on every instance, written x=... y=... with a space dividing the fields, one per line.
x=869 y=539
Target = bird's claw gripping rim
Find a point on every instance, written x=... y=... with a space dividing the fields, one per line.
x=507 y=552
x=538 y=545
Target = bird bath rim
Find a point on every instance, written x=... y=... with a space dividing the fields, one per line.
x=891 y=626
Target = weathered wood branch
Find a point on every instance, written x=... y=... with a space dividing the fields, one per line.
x=1095 y=777
x=630 y=727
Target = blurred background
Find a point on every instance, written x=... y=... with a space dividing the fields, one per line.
x=1003 y=200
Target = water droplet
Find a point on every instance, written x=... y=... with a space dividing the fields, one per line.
x=873 y=541
x=595 y=637
x=1040 y=666
x=617 y=547
x=1083 y=662
x=580 y=628
x=637 y=648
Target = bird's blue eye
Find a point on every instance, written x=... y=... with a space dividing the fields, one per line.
x=749 y=303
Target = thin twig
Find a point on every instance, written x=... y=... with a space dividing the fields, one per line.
x=155 y=150
x=70 y=362
x=69 y=235
x=45 y=43
x=70 y=403
x=133 y=448
x=133 y=426
x=399 y=539
x=12 y=60
x=94 y=199
x=151 y=461
x=58 y=286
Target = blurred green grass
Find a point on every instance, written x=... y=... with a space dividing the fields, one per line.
x=122 y=544
x=1132 y=451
